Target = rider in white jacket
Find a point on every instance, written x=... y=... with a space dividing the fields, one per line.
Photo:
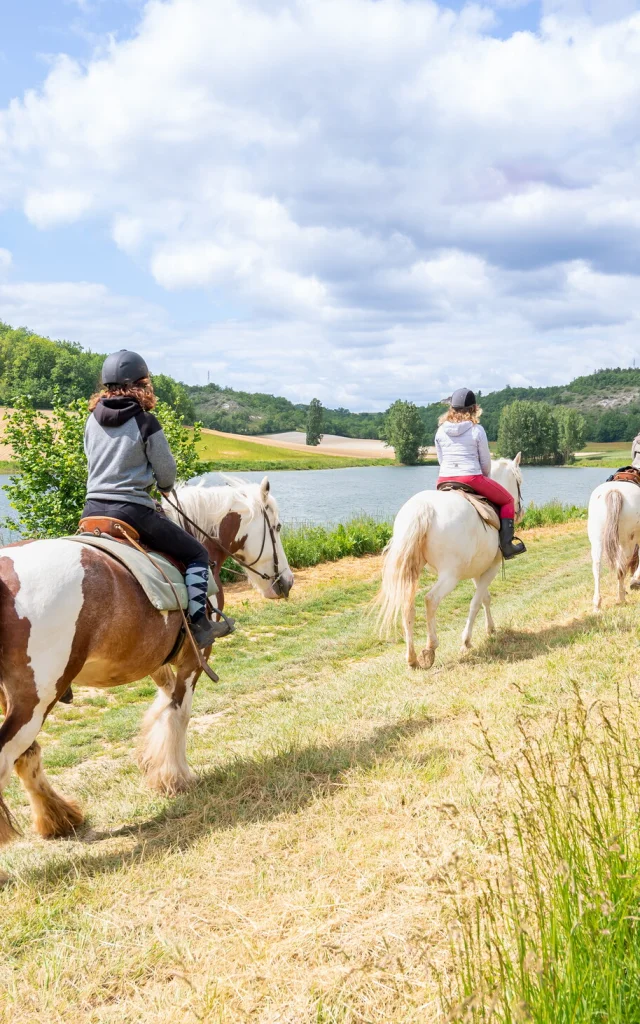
x=464 y=456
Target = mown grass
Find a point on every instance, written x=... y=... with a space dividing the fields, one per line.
x=309 y=875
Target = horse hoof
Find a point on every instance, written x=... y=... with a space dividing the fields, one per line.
x=635 y=584
x=427 y=658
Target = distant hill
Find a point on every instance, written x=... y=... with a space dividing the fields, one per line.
x=608 y=399
x=36 y=366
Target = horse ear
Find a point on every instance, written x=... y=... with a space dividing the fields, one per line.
x=516 y=461
x=265 y=487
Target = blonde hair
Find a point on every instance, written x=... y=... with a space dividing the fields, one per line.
x=473 y=413
x=141 y=391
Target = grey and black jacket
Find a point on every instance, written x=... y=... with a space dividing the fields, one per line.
x=127 y=452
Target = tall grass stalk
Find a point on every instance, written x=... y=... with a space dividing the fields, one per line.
x=554 y=937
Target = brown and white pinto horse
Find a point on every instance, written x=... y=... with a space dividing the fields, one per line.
x=71 y=614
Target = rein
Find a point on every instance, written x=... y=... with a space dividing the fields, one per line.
x=274 y=578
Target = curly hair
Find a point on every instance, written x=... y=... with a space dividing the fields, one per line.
x=473 y=413
x=141 y=391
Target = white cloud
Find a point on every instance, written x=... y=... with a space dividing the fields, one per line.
x=392 y=196
x=47 y=209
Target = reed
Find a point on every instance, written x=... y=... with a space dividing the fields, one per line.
x=554 y=936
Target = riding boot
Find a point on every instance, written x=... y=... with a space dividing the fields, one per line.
x=204 y=631
x=509 y=546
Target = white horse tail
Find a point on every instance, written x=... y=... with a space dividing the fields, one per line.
x=611 y=540
x=403 y=561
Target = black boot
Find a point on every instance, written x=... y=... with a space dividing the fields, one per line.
x=204 y=631
x=508 y=547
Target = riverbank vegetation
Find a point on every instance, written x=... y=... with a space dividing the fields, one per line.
x=347 y=821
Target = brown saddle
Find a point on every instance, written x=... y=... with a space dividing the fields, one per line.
x=627 y=475
x=488 y=512
x=118 y=530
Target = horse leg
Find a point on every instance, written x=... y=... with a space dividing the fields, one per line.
x=53 y=815
x=163 y=749
x=596 y=560
x=444 y=585
x=408 y=622
x=481 y=597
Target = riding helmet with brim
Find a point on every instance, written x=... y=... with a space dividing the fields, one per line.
x=123 y=367
x=462 y=399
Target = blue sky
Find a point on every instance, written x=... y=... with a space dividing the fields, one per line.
x=355 y=199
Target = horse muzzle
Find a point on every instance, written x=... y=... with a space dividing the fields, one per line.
x=281 y=587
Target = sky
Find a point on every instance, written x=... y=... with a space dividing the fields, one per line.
x=355 y=200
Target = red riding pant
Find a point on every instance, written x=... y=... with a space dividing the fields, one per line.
x=488 y=488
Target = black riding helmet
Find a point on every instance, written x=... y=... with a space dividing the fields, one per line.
x=123 y=367
x=462 y=399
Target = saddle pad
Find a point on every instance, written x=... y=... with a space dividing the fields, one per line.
x=486 y=512
x=483 y=506
x=155 y=587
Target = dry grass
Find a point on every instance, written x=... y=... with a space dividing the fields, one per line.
x=306 y=878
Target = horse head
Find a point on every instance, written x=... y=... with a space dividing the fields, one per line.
x=262 y=551
x=508 y=473
x=240 y=519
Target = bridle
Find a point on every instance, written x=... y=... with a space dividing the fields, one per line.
x=519 y=510
x=274 y=578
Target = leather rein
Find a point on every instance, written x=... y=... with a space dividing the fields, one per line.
x=274 y=578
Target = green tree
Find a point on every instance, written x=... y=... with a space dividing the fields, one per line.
x=315 y=417
x=403 y=430
x=49 y=493
x=571 y=435
x=530 y=428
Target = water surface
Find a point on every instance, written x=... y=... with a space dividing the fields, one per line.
x=335 y=495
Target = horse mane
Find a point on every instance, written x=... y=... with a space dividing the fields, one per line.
x=508 y=462
x=208 y=506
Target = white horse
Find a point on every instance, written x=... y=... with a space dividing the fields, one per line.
x=441 y=529
x=614 y=531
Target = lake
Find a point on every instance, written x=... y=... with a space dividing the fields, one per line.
x=335 y=495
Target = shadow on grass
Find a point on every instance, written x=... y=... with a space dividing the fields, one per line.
x=510 y=645
x=245 y=791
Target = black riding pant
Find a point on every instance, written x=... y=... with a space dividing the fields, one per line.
x=155 y=529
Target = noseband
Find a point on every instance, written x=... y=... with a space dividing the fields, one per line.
x=274 y=578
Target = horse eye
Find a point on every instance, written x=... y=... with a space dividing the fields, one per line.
x=278 y=527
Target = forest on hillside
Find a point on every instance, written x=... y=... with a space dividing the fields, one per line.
x=609 y=400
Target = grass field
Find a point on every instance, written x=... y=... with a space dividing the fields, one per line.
x=230 y=454
x=609 y=455
x=309 y=876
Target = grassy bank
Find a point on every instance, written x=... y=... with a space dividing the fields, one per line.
x=313 y=874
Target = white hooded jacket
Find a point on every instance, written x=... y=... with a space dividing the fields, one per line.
x=463 y=449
